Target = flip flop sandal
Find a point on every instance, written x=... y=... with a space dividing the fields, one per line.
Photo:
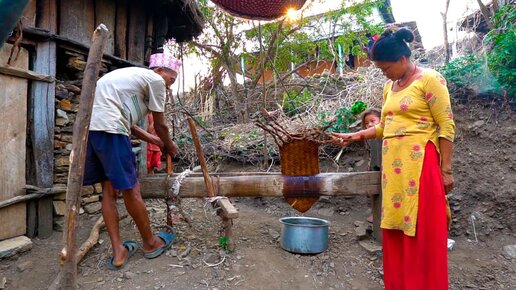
x=168 y=238
x=131 y=247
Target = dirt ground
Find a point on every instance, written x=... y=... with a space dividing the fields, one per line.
x=484 y=198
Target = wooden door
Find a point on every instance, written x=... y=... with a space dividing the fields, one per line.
x=13 y=119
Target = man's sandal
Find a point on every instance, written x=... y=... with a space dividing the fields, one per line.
x=168 y=238
x=131 y=247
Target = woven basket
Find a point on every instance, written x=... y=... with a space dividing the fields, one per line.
x=300 y=158
x=259 y=9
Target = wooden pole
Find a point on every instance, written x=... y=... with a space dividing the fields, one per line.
x=226 y=206
x=68 y=258
x=200 y=155
x=266 y=185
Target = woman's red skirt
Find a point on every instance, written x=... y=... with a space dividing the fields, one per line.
x=421 y=262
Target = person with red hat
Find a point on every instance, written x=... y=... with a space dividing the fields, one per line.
x=124 y=97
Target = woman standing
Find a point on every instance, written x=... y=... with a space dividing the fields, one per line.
x=417 y=129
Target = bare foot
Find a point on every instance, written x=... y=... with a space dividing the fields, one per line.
x=119 y=255
x=156 y=243
x=370 y=219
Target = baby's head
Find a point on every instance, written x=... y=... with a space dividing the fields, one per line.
x=371 y=117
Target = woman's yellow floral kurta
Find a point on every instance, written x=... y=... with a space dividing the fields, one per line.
x=411 y=117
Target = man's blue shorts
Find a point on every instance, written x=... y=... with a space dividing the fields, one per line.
x=110 y=157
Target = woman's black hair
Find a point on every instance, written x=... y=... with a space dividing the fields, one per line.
x=392 y=45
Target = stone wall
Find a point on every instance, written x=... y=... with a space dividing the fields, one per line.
x=67 y=105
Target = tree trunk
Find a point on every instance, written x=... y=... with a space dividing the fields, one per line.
x=447 y=51
x=485 y=13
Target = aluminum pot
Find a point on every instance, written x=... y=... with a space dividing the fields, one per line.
x=304 y=235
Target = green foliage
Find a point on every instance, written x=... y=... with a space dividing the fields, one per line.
x=469 y=74
x=344 y=117
x=295 y=103
x=491 y=73
x=296 y=42
x=501 y=59
x=224 y=243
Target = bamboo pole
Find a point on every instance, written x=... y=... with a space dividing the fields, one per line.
x=68 y=273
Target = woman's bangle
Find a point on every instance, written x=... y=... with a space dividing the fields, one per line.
x=448 y=172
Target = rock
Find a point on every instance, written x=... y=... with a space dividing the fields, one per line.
x=184 y=253
x=92 y=208
x=66 y=138
x=59 y=144
x=98 y=187
x=59 y=224
x=60 y=114
x=87 y=190
x=59 y=207
x=61 y=94
x=62 y=161
x=61 y=122
x=211 y=258
x=24 y=266
x=328 y=212
x=73 y=88
x=90 y=199
x=13 y=246
x=129 y=275
x=371 y=246
x=65 y=105
x=60 y=196
x=274 y=234
x=360 y=163
x=361 y=231
x=509 y=251
x=3 y=282
x=358 y=223
x=477 y=124
x=69 y=147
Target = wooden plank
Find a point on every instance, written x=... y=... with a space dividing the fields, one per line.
x=13 y=104
x=26 y=74
x=105 y=13
x=136 y=31
x=29 y=14
x=44 y=35
x=32 y=219
x=77 y=20
x=121 y=29
x=228 y=209
x=271 y=185
x=47 y=11
x=42 y=115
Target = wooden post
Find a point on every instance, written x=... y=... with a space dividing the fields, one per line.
x=42 y=125
x=200 y=155
x=227 y=222
x=68 y=273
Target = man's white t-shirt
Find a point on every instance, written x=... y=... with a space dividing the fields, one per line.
x=125 y=96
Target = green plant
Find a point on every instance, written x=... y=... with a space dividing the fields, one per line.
x=224 y=243
x=295 y=103
x=501 y=59
x=469 y=74
x=343 y=118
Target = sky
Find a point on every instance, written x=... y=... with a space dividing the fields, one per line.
x=427 y=14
